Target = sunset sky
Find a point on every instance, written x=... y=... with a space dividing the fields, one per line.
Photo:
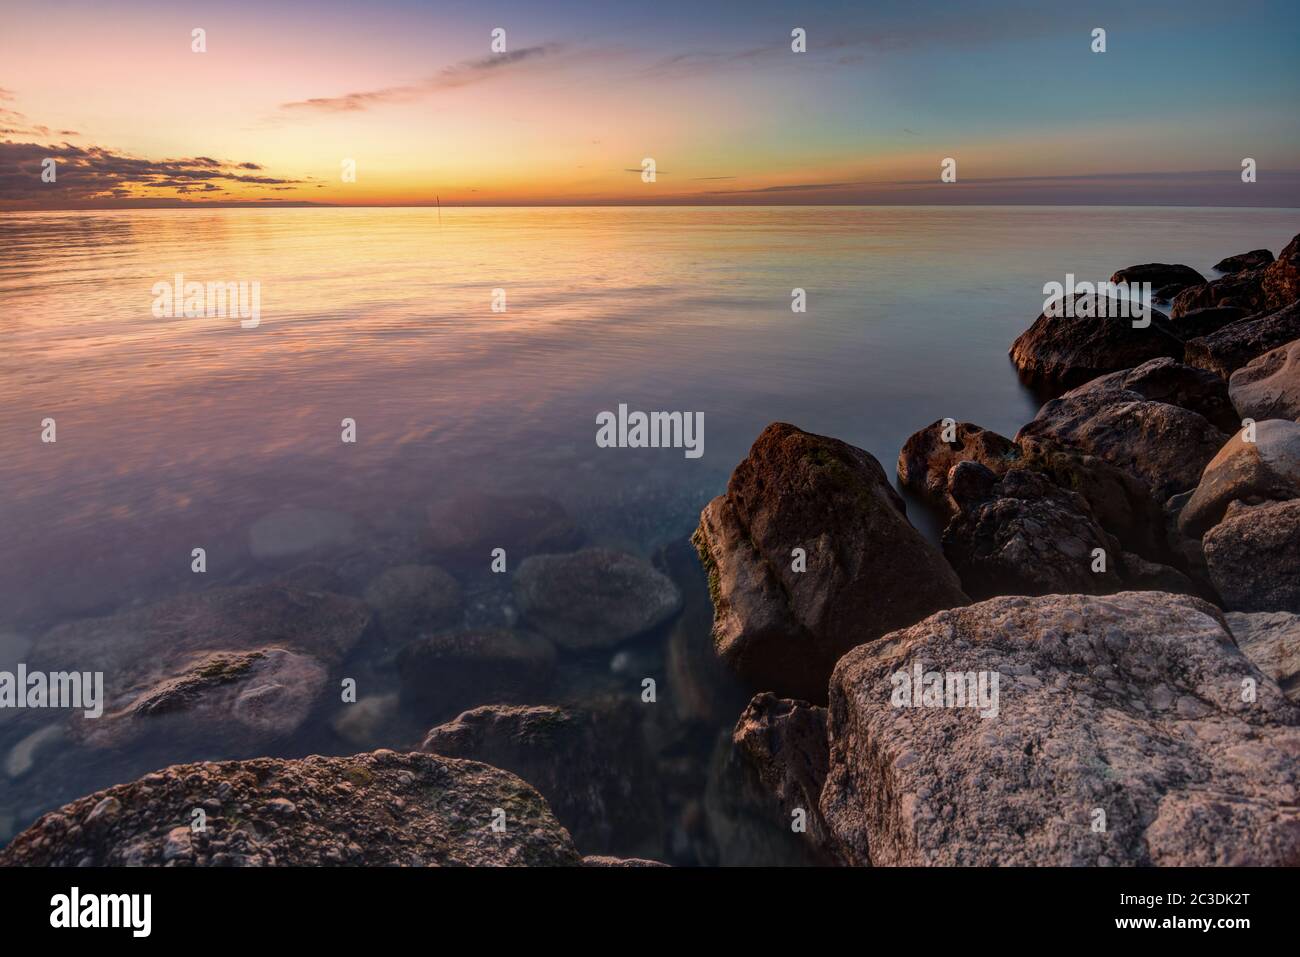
x=413 y=93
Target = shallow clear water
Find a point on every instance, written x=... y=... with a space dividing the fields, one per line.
x=180 y=432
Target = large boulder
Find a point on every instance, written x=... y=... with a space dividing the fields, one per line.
x=1116 y=734
x=1268 y=387
x=1280 y=280
x=595 y=598
x=1233 y=346
x=468 y=527
x=785 y=743
x=444 y=674
x=1066 y=351
x=1165 y=446
x=926 y=458
x=384 y=808
x=1264 y=470
x=1271 y=639
x=1242 y=290
x=1023 y=535
x=229 y=670
x=1173 y=383
x=1159 y=275
x=1254 y=556
x=1204 y=321
x=1251 y=260
x=591 y=765
x=782 y=629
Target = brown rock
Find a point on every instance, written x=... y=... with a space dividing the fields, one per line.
x=1268 y=387
x=926 y=459
x=1232 y=347
x=1265 y=470
x=1254 y=557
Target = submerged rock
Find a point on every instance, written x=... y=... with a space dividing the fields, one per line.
x=595 y=598
x=1264 y=470
x=411 y=599
x=1232 y=347
x=926 y=459
x=1268 y=387
x=1070 y=350
x=446 y=673
x=469 y=527
x=1121 y=737
x=591 y=765
x=295 y=531
x=383 y=808
x=1254 y=556
x=868 y=571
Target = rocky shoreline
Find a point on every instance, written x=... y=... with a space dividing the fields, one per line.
x=1119 y=583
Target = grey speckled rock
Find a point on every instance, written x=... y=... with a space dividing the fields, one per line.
x=868 y=570
x=594 y=598
x=1129 y=704
x=1254 y=557
x=1268 y=387
x=1271 y=639
x=372 y=809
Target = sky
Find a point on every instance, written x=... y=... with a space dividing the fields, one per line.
x=414 y=95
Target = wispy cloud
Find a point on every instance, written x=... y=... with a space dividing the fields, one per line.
x=458 y=75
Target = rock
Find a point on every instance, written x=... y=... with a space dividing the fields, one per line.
x=595 y=598
x=1265 y=470
x=469 y=527
x=1158 y=275
x=1127 y=706
x=411 y=599
x=926 y=459
x=783 y=630
x=1232 y=347
x=1242 y=261
x=1173 y=383
x=1271 y=639
x=1204 y=321
x=444 y=674
x=1164 y=446
x=1070 y=350
x=1024 y=535
x=1268 y=387
x=22 y=756
x=293 y=531
x=1241 y=290
x=1254 y=556
x=601 y=860
x=365 y=722
x=1280 y=280
x=785 y=743
x=379 y=809
x=591 y=765
x=240 y=666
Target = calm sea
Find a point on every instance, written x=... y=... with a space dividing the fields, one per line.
x=177 y=432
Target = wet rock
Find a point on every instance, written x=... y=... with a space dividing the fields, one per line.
x=1164 y=446
x=296 y=531
x=411 y=599
x=1127 y=706
x=595 y=598
x=366 y=722
x=1265 y=470
x=1254 y=556
x=1280 y=280
x=785 y=743
x=1204 y=321
x=1070 y=350
x=444 y=674
x=926 y=459
x=469 y=527
x=1173 y=383
x=234 y=667
x=590 y=764
x=1271 y=639
x=1226 y=351
x=1242 y=261
x=1159 y=275
x=1268 y=387
x=371 y=809
x=868 y=570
